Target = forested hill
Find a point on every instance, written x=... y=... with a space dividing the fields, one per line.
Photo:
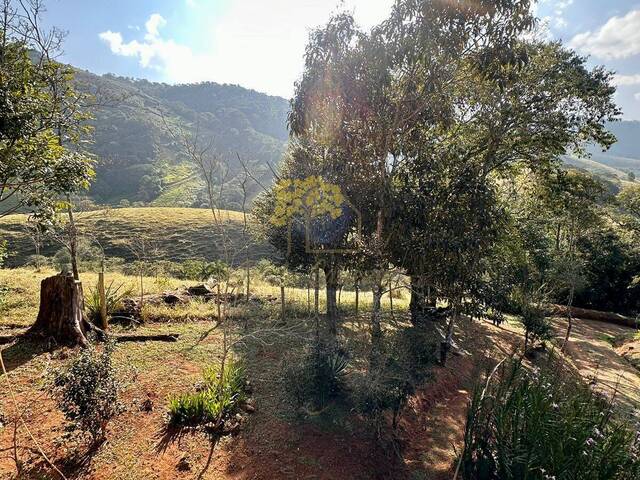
x=139 y=162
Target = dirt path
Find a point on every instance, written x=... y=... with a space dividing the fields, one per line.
x=597 y=359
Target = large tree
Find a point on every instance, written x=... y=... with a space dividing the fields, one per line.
x=41 y=116
x=42 y=127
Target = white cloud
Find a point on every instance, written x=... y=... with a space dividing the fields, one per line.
x=554 y=12
x=155 y=22
x=637 y=96
x=626 y=80
x=616 y=39
x=255 y=43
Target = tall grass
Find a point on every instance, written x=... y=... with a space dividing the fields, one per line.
x=223 y=390
x=546 y=424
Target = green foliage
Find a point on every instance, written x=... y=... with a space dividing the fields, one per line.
x=87 y=390
x=89 y=256
x=218 y=398
x=545 y=424
x=317 y=378
x=41 y=121
x=536 y=325
x=197 y=269
x=387 y=385
x=4 y=251
x=114 y=295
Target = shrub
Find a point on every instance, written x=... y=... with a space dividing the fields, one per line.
x=388 y=386
x=38 y=261
x=317 y=378
x=114 y=295
x=222 y=391
x=545 y=424
x=536 y=326
x=202 y=270
x=87 y=391
x=3 y=252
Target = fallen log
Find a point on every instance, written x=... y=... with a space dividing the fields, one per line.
x=169 y=337
x=554 y=310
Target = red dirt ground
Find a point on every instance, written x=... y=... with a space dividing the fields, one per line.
x=269 y=446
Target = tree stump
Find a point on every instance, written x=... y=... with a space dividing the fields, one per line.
x=61 y=313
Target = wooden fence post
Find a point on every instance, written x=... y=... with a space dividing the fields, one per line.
x=103 y=300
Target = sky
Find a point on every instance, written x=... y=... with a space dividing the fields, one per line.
x=259 y=44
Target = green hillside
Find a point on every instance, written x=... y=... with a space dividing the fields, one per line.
x=135 y=154
x=179 y=233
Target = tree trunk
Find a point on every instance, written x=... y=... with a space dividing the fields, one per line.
x=331 y=279
x=73 y=243
x=357 y=287
x=316 y=293
x=282 y=303
x=376 y=321
x=445 y=346
x=420 y=299
x=61 y=313
x=569 y=317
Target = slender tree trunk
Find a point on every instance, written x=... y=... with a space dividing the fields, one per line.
x=419 y=299
x=248 y=281
x=73 y=242
x=569 y=317
x=316 y=293
x=357 y=287
x=331 y=279
x=218 y=302
x=391 y=297
x=445 y=346
x=376 y=319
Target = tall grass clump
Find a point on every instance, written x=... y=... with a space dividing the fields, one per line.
x=114 y=296
x=222 y=391
x=545 y=424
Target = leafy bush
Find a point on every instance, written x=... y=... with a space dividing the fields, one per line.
x=3 y=252
x=202 y=270
x=87 y=391
x=317 y=378
x=536 y=325
x=219 y=397
x=38 y=261
x=388 y=386
x=114 y=295
x=545 y=424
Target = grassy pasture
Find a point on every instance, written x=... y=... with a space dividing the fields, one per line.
x=180 y=233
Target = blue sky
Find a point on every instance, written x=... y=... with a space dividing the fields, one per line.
x=259 y=43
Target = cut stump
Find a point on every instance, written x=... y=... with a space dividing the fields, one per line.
x=61 y=315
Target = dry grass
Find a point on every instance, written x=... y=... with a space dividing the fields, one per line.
x=180 y=233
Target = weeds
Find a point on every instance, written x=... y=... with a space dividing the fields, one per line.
x=317 y=378
x=223 y=390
